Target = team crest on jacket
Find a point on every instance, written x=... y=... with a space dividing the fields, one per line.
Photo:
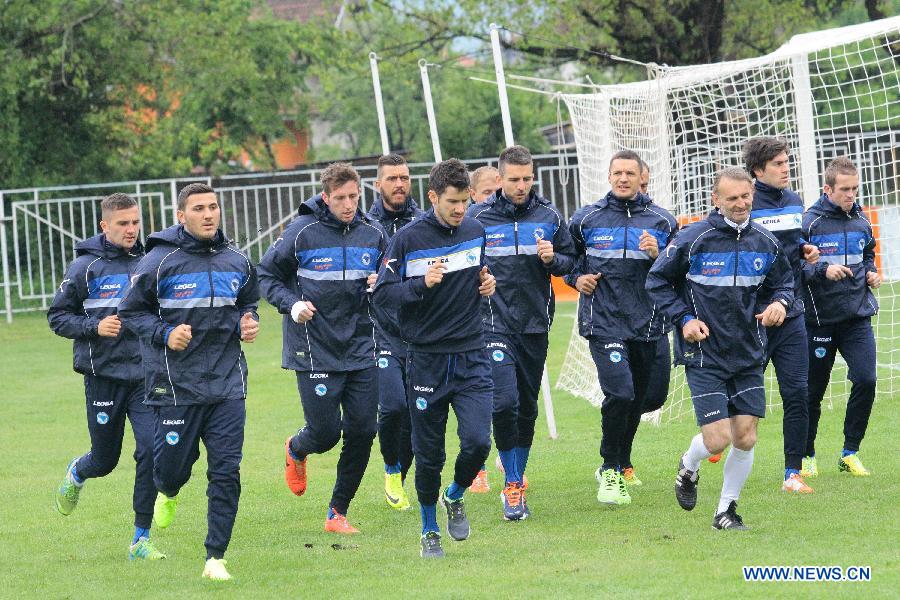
x=172 y=438
x=470 y=257
x=497 y=355
x=758 y=264
x=321 y=389
x=382 y=363
x=539 y=233
x=820 y=352
x=421 y=403
x=102 y=418
x=235 y=284
x=366 y=258
x=615 y=356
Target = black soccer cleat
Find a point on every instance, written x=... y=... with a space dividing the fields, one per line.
x=686 y=487
x=729 y=519
x=457 y=522
x=431 y=545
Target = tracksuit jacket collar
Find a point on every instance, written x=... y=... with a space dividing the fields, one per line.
x=773 y=194
x=98 y=245
x=380 y=211
x=506 y=206
x=177 y=235
x=825 y=207
x=638 y=203
x=717 y=220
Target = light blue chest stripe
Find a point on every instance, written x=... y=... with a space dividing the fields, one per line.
x=793 y=209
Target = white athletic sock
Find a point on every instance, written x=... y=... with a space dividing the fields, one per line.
x=696 y=453
x=737 y=469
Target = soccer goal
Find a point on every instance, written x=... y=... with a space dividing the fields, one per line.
x=829 y=93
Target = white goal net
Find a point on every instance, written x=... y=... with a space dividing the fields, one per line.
x=828 y=93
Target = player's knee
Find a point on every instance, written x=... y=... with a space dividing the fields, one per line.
x=745 y=439
x=361 y=432
x=717 y=440
x=475 y=443
x=864 y=381
x=106 y=464
x=170 y=482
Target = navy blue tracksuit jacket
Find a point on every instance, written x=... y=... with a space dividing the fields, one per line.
x=843 y=238
x=717 y=274
x=322 y=260
x=91 y=290
x=208 y=285
x=606 y=235
x=524 y=301
x=445 y=318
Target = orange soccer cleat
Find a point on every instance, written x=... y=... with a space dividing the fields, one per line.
x=294 y=471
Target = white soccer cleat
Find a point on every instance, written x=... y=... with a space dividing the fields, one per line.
x=215 y=570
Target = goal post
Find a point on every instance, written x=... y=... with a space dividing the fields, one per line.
x=828 y=93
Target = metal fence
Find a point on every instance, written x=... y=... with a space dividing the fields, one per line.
x=39 y=227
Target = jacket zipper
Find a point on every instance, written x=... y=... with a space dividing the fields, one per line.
x=625 y=241
x=344 y=250
x=737 y=255
x=516 y=233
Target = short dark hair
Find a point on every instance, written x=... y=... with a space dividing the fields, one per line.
x=628 y=155
x=760 y=150
x=389 y=160
x=337 y=174
x=190 y=190
x=114 y=202
x=644 y=166
x=515 y=155
x=733 y=173
x=839 y=166
x=450 y=173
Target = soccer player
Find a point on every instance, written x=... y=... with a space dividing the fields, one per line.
x=485 y=181
x=84 y=310
x=709 y=282
x=617 y=239
x=779 y=209
x=316 y=275
x=645 y=178
x=192 y=301
x=840 y=308
x=434 y=272
x=393 y=208
x=526 y=242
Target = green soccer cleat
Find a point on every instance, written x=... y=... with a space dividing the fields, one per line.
x=68 y=491
x=851 y=464
x=144 y=549
x=809 y=468
x=164 y=510
x=612 y=488
x=394 y=494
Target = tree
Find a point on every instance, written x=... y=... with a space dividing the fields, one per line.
x=106 y=89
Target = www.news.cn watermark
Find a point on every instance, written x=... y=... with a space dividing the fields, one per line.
x=807 y=573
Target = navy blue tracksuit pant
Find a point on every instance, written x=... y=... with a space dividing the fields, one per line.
x=855 y=340
x=335 y=403
x=437 y=381
x=788 y=351
x=394 y=428
x=634 y=378
x=517 y=363
x=179 y=430
x=109 y=401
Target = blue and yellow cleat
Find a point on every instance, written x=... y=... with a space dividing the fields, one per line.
x=144 y=549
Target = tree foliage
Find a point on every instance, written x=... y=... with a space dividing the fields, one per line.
x=107 y=89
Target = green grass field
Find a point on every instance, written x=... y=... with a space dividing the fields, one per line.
x=571 y=547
